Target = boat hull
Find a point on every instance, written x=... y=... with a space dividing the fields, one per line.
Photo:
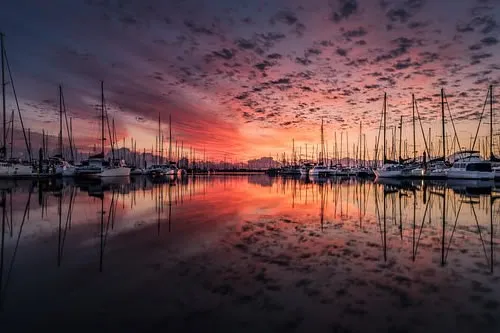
x=115 y=172
x=388 y=173
x=458 y=174
x=17 y=171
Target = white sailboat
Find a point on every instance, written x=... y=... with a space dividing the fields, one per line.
x=96 y=166
x=389 y=169
x=321 y=169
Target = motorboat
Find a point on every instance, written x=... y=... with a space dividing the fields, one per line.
x=319 y=170
x=15 y=168
x=97 y=167
x=389 y=170
x=470 y=165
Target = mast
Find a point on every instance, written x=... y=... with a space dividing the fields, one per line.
x=491 y=122
x=414 y=141
x=335 y=150
x=102 y=118
x=442 y=124
x=385 y=111
x=347 y=148
x=400 y=137
x=158 y=159
x=358 y=155
x=60 y=122
x=4 y=133
x=170 y=138
x=12 y=134
x=321 y=162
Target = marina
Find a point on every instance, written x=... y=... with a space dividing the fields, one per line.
x=250 y=166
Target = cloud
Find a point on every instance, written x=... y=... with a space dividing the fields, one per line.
x=343 y=9
x=359 y=32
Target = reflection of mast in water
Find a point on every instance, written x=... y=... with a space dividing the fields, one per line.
x=492 y=207
x=4 y=218
x=457 y=214
x=322 y=193
x=105 y=229
x=382 y=228
x=385 y=230
x=427 y=205
x=443 y=225
x=480 y=234
x=62 y=233
x=3 y=203
x=160 y=205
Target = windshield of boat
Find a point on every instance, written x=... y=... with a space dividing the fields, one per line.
x=482 y=167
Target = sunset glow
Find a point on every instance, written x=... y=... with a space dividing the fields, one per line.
x=242 y=79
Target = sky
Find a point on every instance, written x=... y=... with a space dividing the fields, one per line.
x=243 y=78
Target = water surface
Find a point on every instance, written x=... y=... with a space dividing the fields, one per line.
x=250 y=253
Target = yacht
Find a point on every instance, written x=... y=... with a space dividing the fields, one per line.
x=136 y=171
x=470 y=165
x=389 y=170
x=169 y=169
x=14 y=168
x=97 y=167
x=62 y=167
x=319 y=170
x=438 y=169
x=304 y=169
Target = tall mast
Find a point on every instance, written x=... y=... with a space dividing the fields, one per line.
x=3 y=148
x=322 y=144
x=491 y=122
x=358 y=155
x=414 y=141
x=385 y=111
x=336 y=154
x=102 y=118
x=442 y=124
x=400 y=136
x=170 y=138
x=347 y=148
x=60 y=122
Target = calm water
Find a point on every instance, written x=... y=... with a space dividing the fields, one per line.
x=250 y=253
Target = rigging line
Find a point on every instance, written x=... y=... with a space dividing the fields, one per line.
x=452 y=122
x=422 y=226
x=17 y=245
x=480 y=119
x=422 y=129
x=70 y=139
x=479 y=230
x=453 y=231
x=17 y=104
x=378 y=135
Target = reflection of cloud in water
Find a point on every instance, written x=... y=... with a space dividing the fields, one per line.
x=218 y=246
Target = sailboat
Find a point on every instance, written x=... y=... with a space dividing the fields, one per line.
x=164 y=169
x=96 y=166
x=389 y=169
x=62 y=167
x=438 y=168
x=9 y=167
x=320 y=169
